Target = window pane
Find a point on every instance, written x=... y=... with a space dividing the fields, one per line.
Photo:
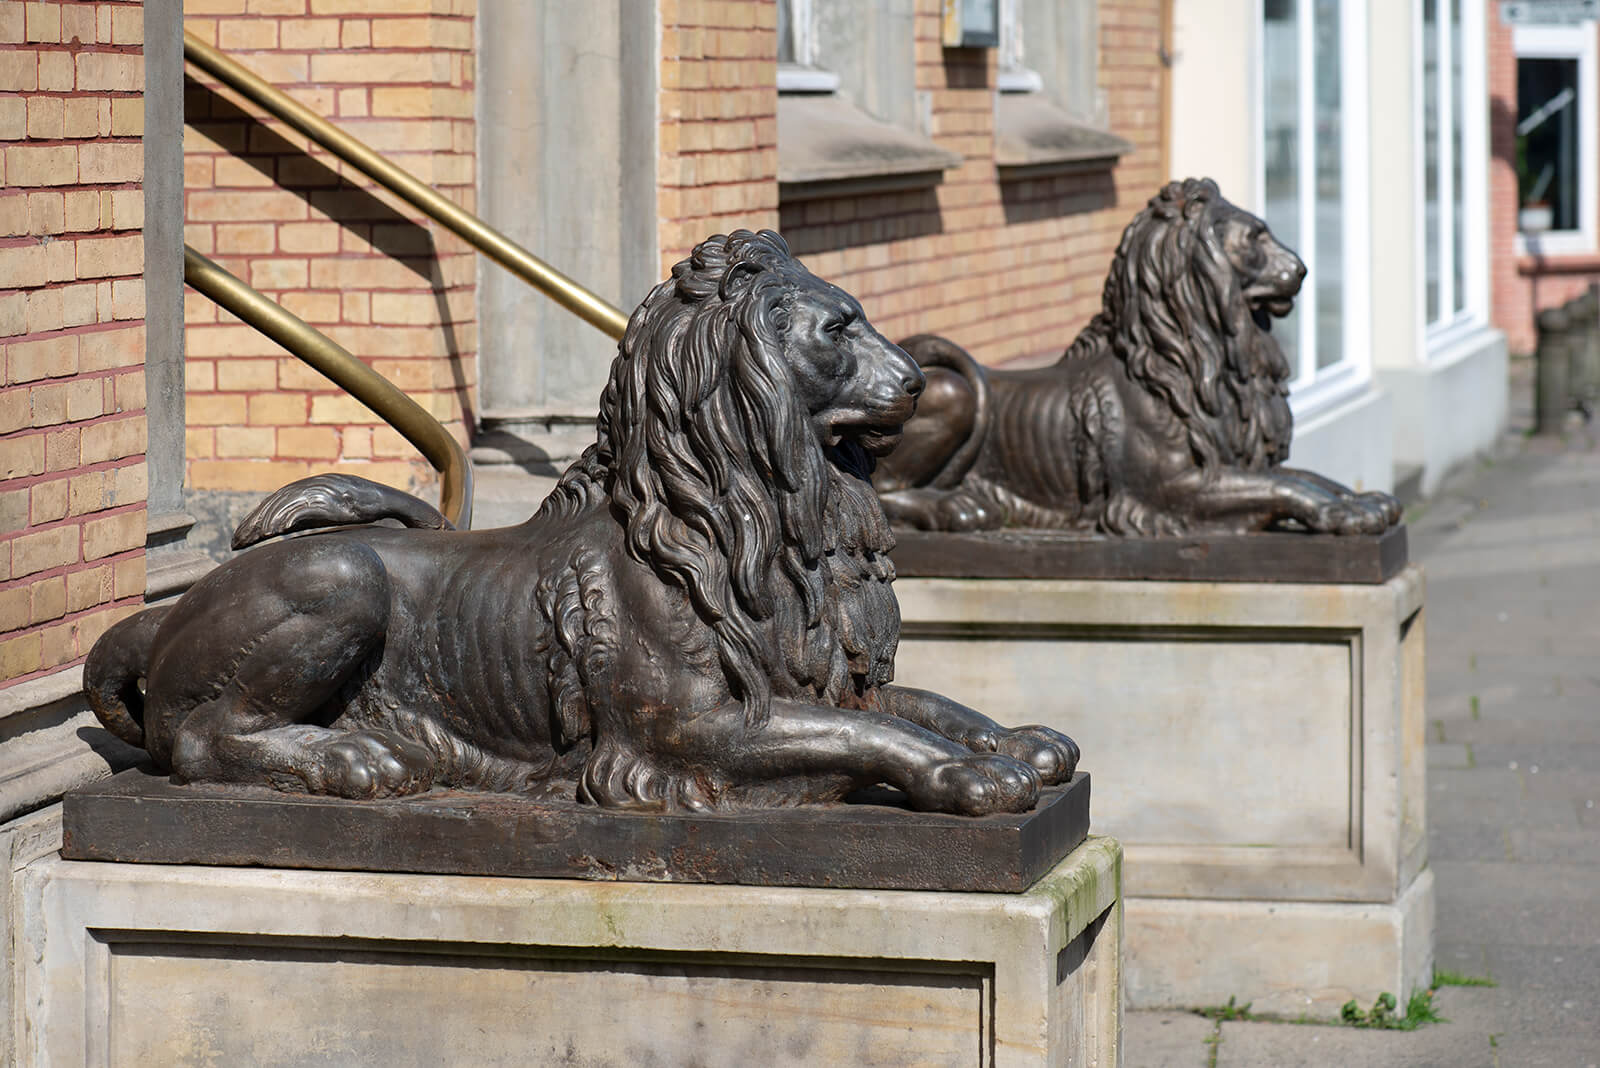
x=1458 y=259
x=1430 y=140
x=1547 y=138
x=1280 y=46
x=1328 y=270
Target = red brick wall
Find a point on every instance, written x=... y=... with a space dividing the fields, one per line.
x=72 y=424
x=372 y=273
x=1516 y=294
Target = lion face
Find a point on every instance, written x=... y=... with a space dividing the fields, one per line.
x=857 y=385
x=1269 y=274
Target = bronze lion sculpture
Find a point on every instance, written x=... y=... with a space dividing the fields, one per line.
x=1169 y=414
x=699 y=616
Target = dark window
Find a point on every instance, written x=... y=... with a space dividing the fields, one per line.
x=1547 y=138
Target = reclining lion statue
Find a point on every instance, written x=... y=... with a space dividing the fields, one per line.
x=699 y=616
x=1168 y=415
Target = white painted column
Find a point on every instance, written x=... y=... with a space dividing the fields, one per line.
x=1215 y=68
x=1394 y=166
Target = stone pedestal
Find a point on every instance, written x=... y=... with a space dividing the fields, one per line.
x=140 y=964
x=1257 y=747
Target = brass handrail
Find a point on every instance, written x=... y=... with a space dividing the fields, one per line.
x=350 y=374
x=504 y=251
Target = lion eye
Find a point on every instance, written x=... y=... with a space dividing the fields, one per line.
x=839 y=325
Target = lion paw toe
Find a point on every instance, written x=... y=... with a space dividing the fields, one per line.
x=1387 y=508
x=979 y=785
x=372 y=763
x=965 y=511
x=1050 y=753
x=1350 y=515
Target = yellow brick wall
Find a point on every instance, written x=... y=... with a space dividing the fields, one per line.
x=372 y=273
x=1011 y=268
x=719 y=121
x=72 y=423
x=1007 y=268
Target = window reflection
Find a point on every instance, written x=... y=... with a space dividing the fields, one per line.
x=1281 y=143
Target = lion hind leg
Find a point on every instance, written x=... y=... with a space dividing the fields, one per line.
x=292 y=635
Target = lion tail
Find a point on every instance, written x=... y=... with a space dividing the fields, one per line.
x=113 y=669
x=333 y=501
x=931 y=350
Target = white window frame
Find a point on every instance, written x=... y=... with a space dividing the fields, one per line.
x=1438 y=336
x=1569 y=42
x=1312 y=389
x=804 y=75
x=1012 y=73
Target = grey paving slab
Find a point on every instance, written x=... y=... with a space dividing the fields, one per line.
x=1166 y=1040
x=1252 y=1044
x=1498 y=796
x=1531 y=925
x=1572 y=883
x=1506 y=723
x=1456 y=755
x=1544 y=755
x=1547 y=1050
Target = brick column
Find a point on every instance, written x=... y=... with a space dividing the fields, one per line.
x=72 y=420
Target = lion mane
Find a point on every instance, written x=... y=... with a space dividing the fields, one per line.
x=724 y=491
x=1174 y=313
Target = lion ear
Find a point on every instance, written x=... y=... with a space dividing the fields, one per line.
x=739 y=278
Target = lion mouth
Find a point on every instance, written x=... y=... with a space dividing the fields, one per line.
x=1264 y=309
x=854 y=446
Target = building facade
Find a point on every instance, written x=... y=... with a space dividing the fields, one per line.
x=1543 y=96
x=966 y=178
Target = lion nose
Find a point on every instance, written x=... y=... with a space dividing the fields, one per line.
x=912 y=380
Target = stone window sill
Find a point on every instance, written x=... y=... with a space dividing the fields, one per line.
x=1034 y=136
x=828 y=147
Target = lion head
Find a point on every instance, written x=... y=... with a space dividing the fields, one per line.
x=736 y=436
x=1188 y=307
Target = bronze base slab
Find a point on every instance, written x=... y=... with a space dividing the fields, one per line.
x=141 y=817
x=1369 y=559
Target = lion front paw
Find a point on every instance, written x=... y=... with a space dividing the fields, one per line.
x=960 y=510
x=977 y=786
x=1385 y=505
x=369 y=763
x=1355 y=514
x=1049 y=752
x=931 y=509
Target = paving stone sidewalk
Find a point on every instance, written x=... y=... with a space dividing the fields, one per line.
x=1511 y=551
